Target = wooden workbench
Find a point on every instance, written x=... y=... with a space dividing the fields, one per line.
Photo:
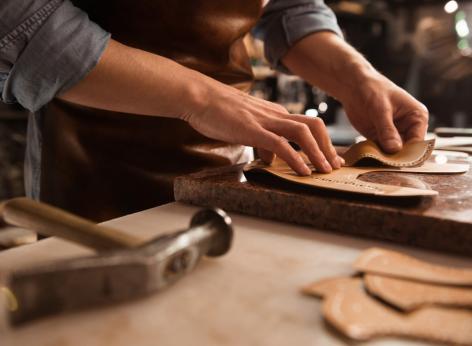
x=248 y=297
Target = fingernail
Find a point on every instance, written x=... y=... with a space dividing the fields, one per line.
x=342 y=162
x=336 y=163
x=327 y=167
x=306 y=170
x=392 y=145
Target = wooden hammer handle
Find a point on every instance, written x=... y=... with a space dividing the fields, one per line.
x=47 y=220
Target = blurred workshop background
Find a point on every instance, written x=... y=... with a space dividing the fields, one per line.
x=425 y=46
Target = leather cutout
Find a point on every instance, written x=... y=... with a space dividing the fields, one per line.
x=409 y=295
x=391 y=263
x=323 y=288
x=412 y=154
x=352 y=305
x=346 y=178
x=357 y=315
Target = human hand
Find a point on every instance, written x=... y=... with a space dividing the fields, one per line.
x=377 y=108
x=134 y=81
x=227 y=114
x=385 y=113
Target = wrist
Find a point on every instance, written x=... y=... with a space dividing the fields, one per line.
x=357 y=78
x=365 y=84
x=196 y=91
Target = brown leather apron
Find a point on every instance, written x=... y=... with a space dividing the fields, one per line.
x=102 y=164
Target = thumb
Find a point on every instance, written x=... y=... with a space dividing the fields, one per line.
x=387 y=135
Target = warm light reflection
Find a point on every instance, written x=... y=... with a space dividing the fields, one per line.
x=11 y=301
x=323 y=107
x=451 y=6
x=441 y=159
x=462 y=28
x=311 y=112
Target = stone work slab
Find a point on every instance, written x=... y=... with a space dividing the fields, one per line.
x=442 y=223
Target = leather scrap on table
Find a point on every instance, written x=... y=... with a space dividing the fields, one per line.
x=411 y=159
x=409 y=295
x=391 y=263
x=432 y=323
x=432 y=310
x=323 y=288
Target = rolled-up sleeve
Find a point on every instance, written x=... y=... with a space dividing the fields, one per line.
x=284 y=22
x=46 y=47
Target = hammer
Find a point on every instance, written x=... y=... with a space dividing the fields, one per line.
x=124 y=268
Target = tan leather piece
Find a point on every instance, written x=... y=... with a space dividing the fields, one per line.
x=412 y=154
x=100 y=164
x=346 y=178
x=357 y=315
x=409 y=295
x=323 y=288
x=391 y=263
x=351 y=306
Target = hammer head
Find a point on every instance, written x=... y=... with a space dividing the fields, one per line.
x=219 y=223
x=116 y=275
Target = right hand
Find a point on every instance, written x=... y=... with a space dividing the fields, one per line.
x=227 y=114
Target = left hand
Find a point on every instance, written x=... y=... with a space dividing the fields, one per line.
x=386 y=114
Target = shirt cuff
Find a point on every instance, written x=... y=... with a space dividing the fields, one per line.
x=60 y=54
x=283 y=30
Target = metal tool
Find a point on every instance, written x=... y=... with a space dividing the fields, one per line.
x=125 y=267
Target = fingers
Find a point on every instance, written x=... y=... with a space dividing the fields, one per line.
x=240 y=118
x=265 y=155
x=313 y=138
x=402 y=120
x=300 y=133
x=320 y=132
x=279 y=145
x=417 y=124
x=388 y=137
x=309 y=133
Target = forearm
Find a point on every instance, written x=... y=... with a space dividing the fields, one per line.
x=134 y=81
x=377 y=108
x=328 y=62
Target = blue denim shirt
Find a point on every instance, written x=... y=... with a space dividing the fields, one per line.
x=47 y=46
